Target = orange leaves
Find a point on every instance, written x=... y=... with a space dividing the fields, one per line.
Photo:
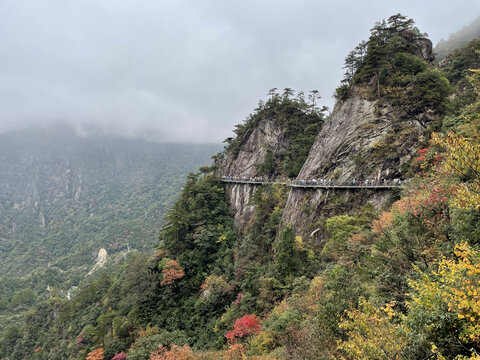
x=359 y=238
x=244 y=326
x=96 y=354
x=171 y=271
x=234 y=352
x=384 y=222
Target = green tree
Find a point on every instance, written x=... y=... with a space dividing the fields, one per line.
x=287 y=256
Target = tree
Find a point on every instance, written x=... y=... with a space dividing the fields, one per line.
x=361 y=51
x=462 y=159
x=96 y=354
x=287 y=93
x=287 y=257
x=273 y=93
x=399 y=23
x=351 y=65
x=452 y=295
x=313 y=97
x=371 y=334
x=244 y=326
x=171 y=271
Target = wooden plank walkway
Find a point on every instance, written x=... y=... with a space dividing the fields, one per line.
x=314 y=186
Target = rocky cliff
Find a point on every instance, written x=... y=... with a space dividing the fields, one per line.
x=362 y=139
x=272 y=143
x=268 y=135
x=385 y=104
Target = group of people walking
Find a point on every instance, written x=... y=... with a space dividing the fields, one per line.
x=319 y=183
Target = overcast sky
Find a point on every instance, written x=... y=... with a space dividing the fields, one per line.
x=183 y=71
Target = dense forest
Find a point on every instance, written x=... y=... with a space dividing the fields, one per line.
x=64 y=197
x=396 y=281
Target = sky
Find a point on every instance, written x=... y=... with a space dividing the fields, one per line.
x=183 y=71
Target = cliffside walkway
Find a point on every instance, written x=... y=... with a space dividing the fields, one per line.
x=300 y=184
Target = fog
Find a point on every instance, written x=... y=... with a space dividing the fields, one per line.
x=182 y=71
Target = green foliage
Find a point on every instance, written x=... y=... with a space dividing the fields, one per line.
x=63 y=197
x=340 y=228
x=300 y=121
x=342 y=92
x=388 y=65
x=268 y=165
x=287 y=256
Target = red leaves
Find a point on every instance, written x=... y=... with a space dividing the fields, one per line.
x=422 y=153
x=244 y=326
x=171 y=271
x=120 y=356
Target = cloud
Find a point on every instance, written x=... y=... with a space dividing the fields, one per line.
x=182 y=70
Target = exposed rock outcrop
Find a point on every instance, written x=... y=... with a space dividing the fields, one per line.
x=268 y=134
x=424 y=49
x=102 y=257
x=361 y=140
x=251 y=155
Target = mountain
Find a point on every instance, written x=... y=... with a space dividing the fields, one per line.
x=458 y=39
x=63 y=198
x=298 y=242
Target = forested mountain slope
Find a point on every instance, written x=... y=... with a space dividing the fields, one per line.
x=64 y=197
x=273 y=272
x=458 y=39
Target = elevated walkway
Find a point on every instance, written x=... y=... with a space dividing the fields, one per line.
x=311 y=185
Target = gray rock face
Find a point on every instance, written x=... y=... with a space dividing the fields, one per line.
x=253 y=151
x=268 y=134
x=360 y=140
x=425 y=50
x=240 y=195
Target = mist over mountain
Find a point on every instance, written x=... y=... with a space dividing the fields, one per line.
x=458 y=39
x=64 y=197
x=183 y=71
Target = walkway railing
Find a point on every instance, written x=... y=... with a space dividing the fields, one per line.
x=328 y=184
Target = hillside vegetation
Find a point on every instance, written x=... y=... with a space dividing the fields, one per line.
x=63 y=198
x=397 y=281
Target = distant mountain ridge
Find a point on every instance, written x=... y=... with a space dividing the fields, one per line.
x=458 y=39
x=63 y=197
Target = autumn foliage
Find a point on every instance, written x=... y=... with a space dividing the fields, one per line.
x=96 y=354
x=120 y=356
x=244 y=326
x=171 y=271
x=456 y=284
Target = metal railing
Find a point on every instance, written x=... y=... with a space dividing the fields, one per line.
x=327 y=184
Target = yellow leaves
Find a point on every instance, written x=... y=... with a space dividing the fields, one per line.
x=371 y=334
x=299 y=242
x=456 y=284
x=388 y=309
x=462 y=159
